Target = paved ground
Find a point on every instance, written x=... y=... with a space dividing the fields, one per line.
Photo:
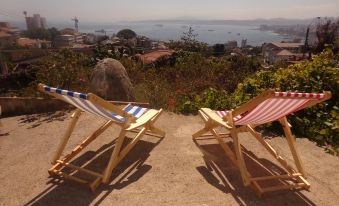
x=169 y=171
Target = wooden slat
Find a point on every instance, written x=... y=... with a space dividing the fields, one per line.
x=145 y=118
x=291 y=143
x=287 y=176
x=257 y=188
x=95 y=183
x=66 y=176
x=220 y=134
x=230 y=154
x=302 y=179
x=207 y=128
x=111 y=107
x=80 y=168
x=84 y=144
x=114 y=156
x=238 y=152
x=284 y=187
x=215 y=118
x=130 y=145
x=142 y=104
x=67 y=135
x=271 y=150
x=147 y=133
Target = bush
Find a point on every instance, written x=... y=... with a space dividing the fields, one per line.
x=210 y=98
x=64 y=69
x=186 y=84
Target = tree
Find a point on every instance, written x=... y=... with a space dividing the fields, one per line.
x=326 y=32
x=189 y=37
x=218 y=49
x=41 y=33
x=126 y=34
x=65 y=69
x=188 y=42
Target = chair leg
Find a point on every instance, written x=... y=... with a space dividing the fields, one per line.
x=156 y=130
x=225 y=147
x=237 y=148
x=201 y=132
x=114 y=156
x=240 y=158
x=291 y=143
x=75 y=117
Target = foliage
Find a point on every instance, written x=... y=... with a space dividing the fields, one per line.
x=319 y=123
x=102 y=51
x=65 y=69
x=211 y=98
x=126 y=34
x=218 y=49
x=326 y=33
x=190 y=80
x=189 y=43
x=41 y=33
x=102 y=38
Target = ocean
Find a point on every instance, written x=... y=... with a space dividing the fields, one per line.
x=210 y=34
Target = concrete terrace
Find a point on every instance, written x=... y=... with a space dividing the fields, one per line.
x=169 y=171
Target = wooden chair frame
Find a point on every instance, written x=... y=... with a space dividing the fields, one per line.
x=142 y=126
x=212 y=121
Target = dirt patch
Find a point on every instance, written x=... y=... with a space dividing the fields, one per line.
x=168 y=171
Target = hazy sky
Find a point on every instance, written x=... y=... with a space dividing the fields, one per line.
x=113 y=10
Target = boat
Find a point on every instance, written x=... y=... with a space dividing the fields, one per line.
x=211 y=30
x=238 y=34
x=100 y=31
x=159 y=25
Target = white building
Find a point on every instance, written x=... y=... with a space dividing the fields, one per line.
x=281 y=51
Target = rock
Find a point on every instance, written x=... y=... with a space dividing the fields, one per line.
x=110 y=81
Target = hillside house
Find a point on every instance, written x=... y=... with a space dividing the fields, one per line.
x=281 y=51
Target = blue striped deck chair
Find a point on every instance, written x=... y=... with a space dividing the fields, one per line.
x=131 y=118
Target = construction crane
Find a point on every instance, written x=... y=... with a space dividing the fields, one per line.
x=306 y=45
x=76 y=23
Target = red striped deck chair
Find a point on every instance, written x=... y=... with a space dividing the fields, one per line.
x=268 y=107
x=131 y=118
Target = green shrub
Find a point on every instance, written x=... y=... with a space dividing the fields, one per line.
x=210 y=98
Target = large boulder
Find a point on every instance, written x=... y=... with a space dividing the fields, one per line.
x=110 y=81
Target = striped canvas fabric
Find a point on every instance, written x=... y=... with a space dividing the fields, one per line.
x=281 y=105
x=80 y=101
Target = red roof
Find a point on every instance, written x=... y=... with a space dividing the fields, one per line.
x=284 y=52
x=287 y=44
x=4 y=34
x=155 y=55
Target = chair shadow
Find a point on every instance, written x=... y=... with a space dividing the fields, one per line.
x=129 y=170
x=220 y=172
x=37 y=119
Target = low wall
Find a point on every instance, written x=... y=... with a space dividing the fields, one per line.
x=12 y=106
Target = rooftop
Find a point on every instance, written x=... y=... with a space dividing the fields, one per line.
x=284 y=52
x=28 y=41
x=155 y=55
x=4 y=34
x=287 y=44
